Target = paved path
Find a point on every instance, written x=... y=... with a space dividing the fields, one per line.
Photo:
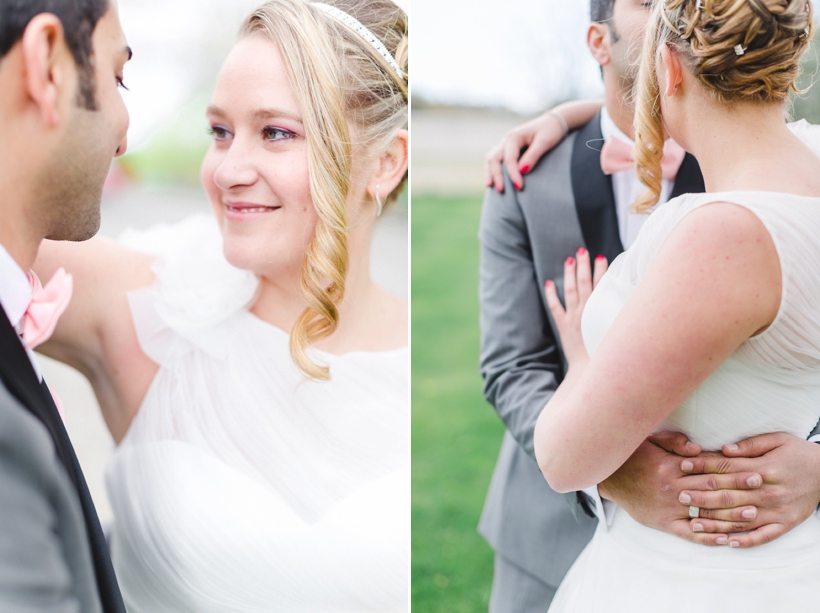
x=449 y=144
x=142 y=208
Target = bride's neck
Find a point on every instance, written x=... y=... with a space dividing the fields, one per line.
x=281 y=302
x=740 y=145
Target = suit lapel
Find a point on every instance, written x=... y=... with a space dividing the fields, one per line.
x=592 y=190
x=689 y=179
x=20 y=379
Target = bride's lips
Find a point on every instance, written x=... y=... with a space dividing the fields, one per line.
x=239 y=211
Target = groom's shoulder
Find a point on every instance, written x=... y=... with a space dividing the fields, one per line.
x=27 y=451
x=547 y=186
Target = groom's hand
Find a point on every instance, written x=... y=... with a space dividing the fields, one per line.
x=649 y=485
x=790 y=493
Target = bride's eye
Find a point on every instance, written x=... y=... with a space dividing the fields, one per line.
x=272 y=134
x=218 y=132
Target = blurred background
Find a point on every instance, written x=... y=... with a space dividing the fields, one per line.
x=480 y=67
x=178 y=48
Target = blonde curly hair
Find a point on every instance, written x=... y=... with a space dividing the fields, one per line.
x=337 y=78
x=738 y=50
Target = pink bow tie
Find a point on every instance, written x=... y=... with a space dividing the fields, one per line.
x=47 y=304
x=616 y=156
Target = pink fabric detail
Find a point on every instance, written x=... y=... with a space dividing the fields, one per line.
x=58 y=403
x=47 y=304
x=616 y=156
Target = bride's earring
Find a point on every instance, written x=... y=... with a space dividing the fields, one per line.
x=379 y=202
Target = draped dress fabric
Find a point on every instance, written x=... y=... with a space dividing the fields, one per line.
x=241 y=485
x=770 y=383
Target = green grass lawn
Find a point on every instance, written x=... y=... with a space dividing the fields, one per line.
x=456 y=434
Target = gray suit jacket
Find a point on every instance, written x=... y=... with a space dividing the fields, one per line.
x=45 y=559
x=525 y=237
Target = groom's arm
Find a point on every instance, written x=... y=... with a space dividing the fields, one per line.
x=520 y=360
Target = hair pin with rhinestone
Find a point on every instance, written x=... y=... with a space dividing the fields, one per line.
x=740 y=49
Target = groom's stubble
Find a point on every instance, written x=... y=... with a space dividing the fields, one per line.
x=69 y=186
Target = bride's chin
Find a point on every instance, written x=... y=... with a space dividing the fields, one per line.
x=244 y=256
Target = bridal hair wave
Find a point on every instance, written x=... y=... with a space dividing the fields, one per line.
x=337 y=77
x=738 y=51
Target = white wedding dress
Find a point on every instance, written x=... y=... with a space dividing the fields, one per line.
x=241 y=486
x=771 y=383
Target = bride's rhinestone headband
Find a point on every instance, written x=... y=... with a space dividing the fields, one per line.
x=357 y=26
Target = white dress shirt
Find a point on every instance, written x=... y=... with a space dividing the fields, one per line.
x=15 y=296
x=628 y=188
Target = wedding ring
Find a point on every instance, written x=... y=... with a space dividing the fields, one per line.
x=694 y=511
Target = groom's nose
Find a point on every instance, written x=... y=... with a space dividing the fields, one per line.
x=123 y=147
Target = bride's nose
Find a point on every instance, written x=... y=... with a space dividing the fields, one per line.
x=237 y=168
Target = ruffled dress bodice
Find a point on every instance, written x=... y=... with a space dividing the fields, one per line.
x=242 y=485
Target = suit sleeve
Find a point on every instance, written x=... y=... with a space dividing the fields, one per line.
x=520 y=360
x=35 y=574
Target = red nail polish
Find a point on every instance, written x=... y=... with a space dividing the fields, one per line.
x=548 y=283
x=600 y=257
x=570 y=261
x=517 y=186
x=524 y=169
x=499 y=190
x=581 y=251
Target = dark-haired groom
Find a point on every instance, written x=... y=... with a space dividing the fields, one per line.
x=63 y=121
x=526 y=234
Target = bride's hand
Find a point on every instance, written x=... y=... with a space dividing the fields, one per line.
x=538 y=136
x=579 y=281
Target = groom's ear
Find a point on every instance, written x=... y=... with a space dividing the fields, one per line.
x=49 y=68
x=598 y=42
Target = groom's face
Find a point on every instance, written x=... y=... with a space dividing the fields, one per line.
x=72 y=180
x=626 y=30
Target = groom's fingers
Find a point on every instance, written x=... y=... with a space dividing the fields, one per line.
x=718 y=517
x=715 y=463
x=756 y=446
x=675 y=442
x=683 y=529
x=719 y=499
x=760 y=536
x=712 y=483
x=710 y=526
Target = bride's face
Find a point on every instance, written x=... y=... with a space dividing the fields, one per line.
x=256 y=170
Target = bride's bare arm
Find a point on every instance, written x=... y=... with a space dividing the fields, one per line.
x=697 y=304
x=96 y=334
x=539 y=136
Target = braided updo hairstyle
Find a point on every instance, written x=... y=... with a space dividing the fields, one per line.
x=738 y=50
x=337 y=77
